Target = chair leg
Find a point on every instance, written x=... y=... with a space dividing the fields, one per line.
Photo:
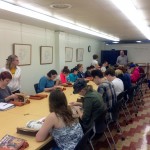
x=128 y=111
x=92 y=147
x=111 y=137
x=126 y=119
x=120 y=130
x=108 y=141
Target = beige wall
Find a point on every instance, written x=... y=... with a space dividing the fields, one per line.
x=14 y=32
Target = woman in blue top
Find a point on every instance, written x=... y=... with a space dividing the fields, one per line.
x=47 y=83
x=60 y=123
x=72 y=77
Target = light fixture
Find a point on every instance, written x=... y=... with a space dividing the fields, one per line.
x=43 y=17
x=138 y=41
x=115 y=42
x=130 y=11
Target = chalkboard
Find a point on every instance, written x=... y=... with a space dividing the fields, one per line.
x=110 y=56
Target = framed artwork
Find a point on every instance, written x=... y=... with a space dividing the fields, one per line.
x=46 y=55
x=79 y=54
x=23 y=51
x=68 y=54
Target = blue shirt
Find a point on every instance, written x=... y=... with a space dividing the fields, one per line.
x=72 y=77
x=44 y=83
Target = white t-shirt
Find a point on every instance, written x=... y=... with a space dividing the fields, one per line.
x=118 y=85
x=94 y=62
x=103 y=69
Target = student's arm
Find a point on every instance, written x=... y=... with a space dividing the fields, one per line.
x=42 y=86
x=87 y=110
x=46 y=127
x=76 y=104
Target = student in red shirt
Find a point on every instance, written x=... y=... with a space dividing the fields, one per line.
x=65 y=72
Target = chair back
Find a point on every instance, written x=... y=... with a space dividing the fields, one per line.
x=84 y=143
x=36 y=87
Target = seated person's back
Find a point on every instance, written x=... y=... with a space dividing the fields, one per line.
x=46 y=83
x=60 y=123
x=72 y=77
x=118 y=84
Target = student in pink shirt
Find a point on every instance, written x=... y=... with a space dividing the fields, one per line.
x=135 y=74
x=65 y=72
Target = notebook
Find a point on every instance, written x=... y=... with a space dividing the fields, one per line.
x=5 y=106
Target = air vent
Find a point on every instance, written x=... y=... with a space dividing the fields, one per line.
x=60 y=6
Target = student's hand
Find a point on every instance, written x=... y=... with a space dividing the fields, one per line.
x=13 y=96
x=72 y=103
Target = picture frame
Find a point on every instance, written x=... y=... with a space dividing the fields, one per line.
x=46 y=55
x=68 y=54
x=23 y=51
x=79 y=54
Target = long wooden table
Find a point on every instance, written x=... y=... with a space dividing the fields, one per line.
x=19 y=116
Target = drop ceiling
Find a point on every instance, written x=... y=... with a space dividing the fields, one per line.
x=101 y=15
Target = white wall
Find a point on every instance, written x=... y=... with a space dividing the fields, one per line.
x=14 y=32
x=138 y=53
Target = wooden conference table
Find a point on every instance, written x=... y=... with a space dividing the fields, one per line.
x=19 y=116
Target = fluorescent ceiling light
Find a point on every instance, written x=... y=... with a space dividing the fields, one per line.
x=138 y=41
x=115 y=42
x=129 y=10
x=37 y=15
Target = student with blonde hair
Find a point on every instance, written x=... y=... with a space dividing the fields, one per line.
x=12 y=63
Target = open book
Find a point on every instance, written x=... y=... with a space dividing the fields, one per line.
x=22 y=97
x=5 y=106
x=32 y=127
x=11 y=142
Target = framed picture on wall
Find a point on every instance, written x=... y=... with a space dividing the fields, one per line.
x=68 y=54
x=79 y=54
x=23 y=51
x=46 y=55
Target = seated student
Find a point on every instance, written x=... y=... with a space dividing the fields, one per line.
x=124 y=76
x=80 y=71
x=65 y=72
x=95 y=62
x=5 y=93
x=104 y=66
x=88 y=71
x=46 y=83
x=118 y=84
x=93 y=105
x=72 y=77
x=141 y=70
x=135 y=74
x=105 y=88
x=60 y=123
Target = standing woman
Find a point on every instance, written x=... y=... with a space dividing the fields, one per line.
x=12 y=63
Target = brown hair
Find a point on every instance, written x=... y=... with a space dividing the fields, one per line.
x=58 y=104
x=95 y=56
x=5 y=75
x=9 y=61
x=66 y=70
x=79 y=66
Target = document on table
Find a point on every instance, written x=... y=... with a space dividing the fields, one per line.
x=5 y=106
